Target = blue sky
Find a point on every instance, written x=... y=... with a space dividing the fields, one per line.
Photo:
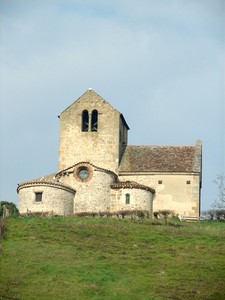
x=159 y=62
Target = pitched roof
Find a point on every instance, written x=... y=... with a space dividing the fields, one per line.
x=161 y=159
x=49 y=180
x=131 y=185
x=88 y=96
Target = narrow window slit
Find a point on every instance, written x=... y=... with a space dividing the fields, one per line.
x=85 y=120
x=94 y=120
x=127 y=198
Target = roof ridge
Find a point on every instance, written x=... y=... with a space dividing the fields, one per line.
x=51 y=183
x=83 y=162
x=179 y=146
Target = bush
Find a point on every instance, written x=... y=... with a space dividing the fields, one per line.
x=140 y=214
x=165 y=214
x=38 y=213
x=123 y=213
x=214 y=214
x=175 y=218
x=11 y=207
x=103 y=214
x=136 y=214
x=156 y=214
x=85 y=214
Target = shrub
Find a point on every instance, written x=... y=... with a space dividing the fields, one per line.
x=175 y=218
x=11 y=207
x=38 y=213
x=105 y=214
x=140 y=214
x=214 y=214
x=211 y=214
x=109 y=214
x=165 y=214
x=220 y=214
x=101 y=214
x=86 y=214
x=123 y=213
x=156 y=214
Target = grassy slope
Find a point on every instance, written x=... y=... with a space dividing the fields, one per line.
x=89 y=258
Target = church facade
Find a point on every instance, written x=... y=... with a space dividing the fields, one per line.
x=98 y=171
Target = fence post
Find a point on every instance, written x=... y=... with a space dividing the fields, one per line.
x=2 y=228
x=5 y=212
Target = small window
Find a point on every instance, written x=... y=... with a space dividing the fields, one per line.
x=85 y=120
x=94 y=120
x=127 y=198
x=159 y=181
x=188 y=182
x=38 y=197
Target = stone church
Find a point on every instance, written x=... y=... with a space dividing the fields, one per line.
x=98 y=171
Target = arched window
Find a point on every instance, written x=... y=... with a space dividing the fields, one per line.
x=127 y=198
x=85 y=120
x=94 y=120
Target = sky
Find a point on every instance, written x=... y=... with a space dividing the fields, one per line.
x=161 y=63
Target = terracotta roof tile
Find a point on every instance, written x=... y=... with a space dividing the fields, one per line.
x=131 y=185
x=45 y=180
x=158 y=159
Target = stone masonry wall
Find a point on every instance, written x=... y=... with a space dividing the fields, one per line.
x=123 y=138
x=99 y=148
x=92 y=195
x=139 y=200
x=54 y=199
x=178 y=192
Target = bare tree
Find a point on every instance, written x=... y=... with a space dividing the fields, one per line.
x=219 y=203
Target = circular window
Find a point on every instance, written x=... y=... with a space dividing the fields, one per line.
x=83 y=173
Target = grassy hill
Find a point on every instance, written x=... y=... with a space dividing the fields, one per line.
x=91 y=258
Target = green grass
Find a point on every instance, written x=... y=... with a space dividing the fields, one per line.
x=90 y=258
